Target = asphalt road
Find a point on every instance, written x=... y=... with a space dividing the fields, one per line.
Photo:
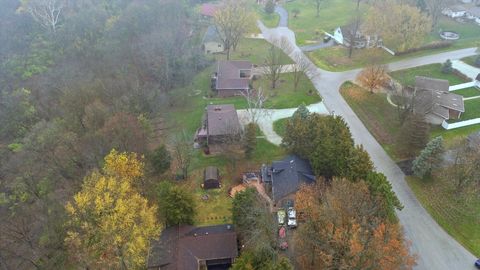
x=434 y=247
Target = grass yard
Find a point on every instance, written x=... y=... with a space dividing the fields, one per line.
x=283 y=96
x=407 y=76
x=468 y=92
x=254 y=50
x=450 y=137
x=269 y=20
x=472 y=110
x=309 y=28
x=376 y=113
x=460 y=218
x=280 y=125
x=470 y=60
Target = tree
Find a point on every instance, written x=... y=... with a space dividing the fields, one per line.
x=381 y=190
x=124 y=132
x=373 y=77
x=464 y=173
x=400 y=25
x=109 y=223
x=429 y=158
x=250 y=139
x=232 y=21
x=273 y=63
x=447 y=67
x=176 y=205
x=255 y=104
x=160 y=159
x=347 y=232
x=317 y=4
x=435 y=8
x=259 y=261
x=301 y=68
x=17 y=113
x=270 y=7
x=414 y=134
x=46 y=12
x=183 y=152
x=295 y=12
x=359 y=164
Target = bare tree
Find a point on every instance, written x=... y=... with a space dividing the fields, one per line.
x=45 y=12
x=273 y=62
x=182 y=149
x=302 y=66
x=317 y=6
x=435 y=8
x=255 y=104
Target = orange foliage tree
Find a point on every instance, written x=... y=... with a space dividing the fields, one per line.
x=373 y=77
x=343 y=230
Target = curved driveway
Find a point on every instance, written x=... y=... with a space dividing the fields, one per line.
x=434 y=247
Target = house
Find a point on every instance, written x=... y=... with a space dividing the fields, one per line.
x=232 y=78
x=208 y=10
x=211 y=178
x=194 y=248
x=343 y=36
x=220 y=121
x=456 y=11
x=473 y=13
x=211 y=42
x=432 y=98
x=284 y=177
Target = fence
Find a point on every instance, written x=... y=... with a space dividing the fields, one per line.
x=465 y=123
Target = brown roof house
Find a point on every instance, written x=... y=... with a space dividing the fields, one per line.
x=232 y=78
x=432 y=98
x=194 y=248
x=220 y=122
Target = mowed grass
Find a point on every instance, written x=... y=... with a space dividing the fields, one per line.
x=468 y=92
x=470 y=60
x=269 y=20
x=407 y=76
x=380 y=118
x=459 y=217
x=309 y=28
x=255 y=50
x=284 y=96
x=280 y=126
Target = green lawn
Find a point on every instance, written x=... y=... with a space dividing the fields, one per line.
x=407 y=76
x=269 y=20
x=470 y=60
x=309 y=28
x=460 y=218
x=468 y=92
x=472 y=110
x=283 y=96
x=254 y=50
x=280 y=125
x=453 y=135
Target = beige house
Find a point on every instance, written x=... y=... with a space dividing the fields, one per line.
x=211 y=42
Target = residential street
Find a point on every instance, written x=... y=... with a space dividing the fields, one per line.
x=434 y=247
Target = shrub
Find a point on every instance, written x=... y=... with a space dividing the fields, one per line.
x=430 y=46
x=447 y=67
x=269 y=7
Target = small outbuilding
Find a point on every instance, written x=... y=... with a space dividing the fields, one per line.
x=211 y=178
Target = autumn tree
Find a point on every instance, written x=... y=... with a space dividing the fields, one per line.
x=109 y=223
x=124 y=132
x=176 y=205
x=464 y=173
x=347 y=232
x=233 y=20
x=400 y=25
x=373 y=77
x=429 y=158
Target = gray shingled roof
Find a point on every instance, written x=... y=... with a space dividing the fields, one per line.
x=222 y=120
x=478 y=77
x=288 y=174
x=180 y=248
x=432 y=96
x=211 y=35
x=228 y=75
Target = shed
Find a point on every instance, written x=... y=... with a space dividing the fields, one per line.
x=211 y=178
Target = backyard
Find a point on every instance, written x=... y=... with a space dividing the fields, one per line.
x=472 y=110
x=457 y=215
x=407 y=76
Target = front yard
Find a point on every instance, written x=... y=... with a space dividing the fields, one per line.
x=407 y=76
x=254 y=50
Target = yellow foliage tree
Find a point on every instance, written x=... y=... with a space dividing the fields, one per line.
x=110 y=224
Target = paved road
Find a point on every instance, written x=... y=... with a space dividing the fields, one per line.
x=435 y=248
x=283 y=16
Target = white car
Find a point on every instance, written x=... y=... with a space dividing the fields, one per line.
x=292 y=217
x=281 y=217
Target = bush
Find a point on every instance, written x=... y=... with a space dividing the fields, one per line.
x=430 y=46
x=269 y=7
x=160 y=159
x=447 y=67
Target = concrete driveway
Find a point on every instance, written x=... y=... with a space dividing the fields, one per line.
x=317 y=46
x=283 y=13
x=434 y=247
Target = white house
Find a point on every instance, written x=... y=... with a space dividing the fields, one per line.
x=455 y=11
x=211 y=42
x=343 y=35
x=473 y=13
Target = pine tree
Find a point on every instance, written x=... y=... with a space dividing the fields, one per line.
x=414 y=134
x=429 y=158
x=270 y=7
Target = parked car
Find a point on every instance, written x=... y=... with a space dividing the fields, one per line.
x=292 y=217
x=477 y=263
x=282 y=232
x=326 y=38
x=281 y=217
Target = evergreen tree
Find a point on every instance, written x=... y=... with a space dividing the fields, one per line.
x=414 y=134
x=447 y=67
x=250 y=139
x=301 y=112
x=359 y=164
x=429 y=158
x=176 y=205
x=270 y=7
x=381 y=189
x=160 y=159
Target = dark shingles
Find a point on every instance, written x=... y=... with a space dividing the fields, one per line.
x=288 y=174
x=222 y=120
